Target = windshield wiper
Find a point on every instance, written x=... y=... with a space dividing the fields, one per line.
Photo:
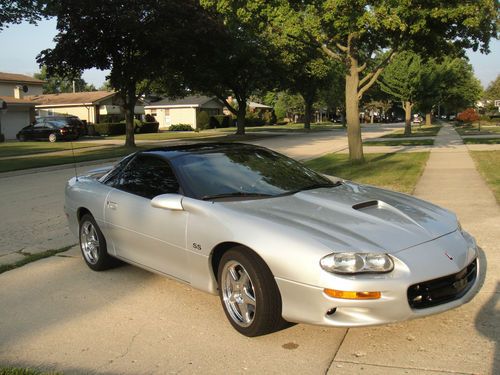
x=234 y=194
x=314 y=186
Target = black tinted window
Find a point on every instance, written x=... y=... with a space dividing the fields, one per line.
x=148 y=177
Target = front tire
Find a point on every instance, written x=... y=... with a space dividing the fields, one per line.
x=248 y=293
x=93 y=245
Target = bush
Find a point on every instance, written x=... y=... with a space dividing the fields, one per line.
x=468 y=116
x=112 y=128
x=2 y=138
x=180 y=128
x=202 y=120
x=254 y=121
x=220 y=121
x=147 y=127
x=149 y=118
x=282 y=123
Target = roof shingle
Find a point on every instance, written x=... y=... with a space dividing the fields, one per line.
x=19 y=78
x=70 y=98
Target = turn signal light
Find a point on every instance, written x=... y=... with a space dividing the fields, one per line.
x=351 y=295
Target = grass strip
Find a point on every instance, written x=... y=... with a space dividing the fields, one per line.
x=405 y=142
x=395 y=171
x=423 y=131
x=475 y=129
x=487 y=163
x=481 y=141
x=39 y=161
x=25 y=371
x=15 y=148
x=31 y=258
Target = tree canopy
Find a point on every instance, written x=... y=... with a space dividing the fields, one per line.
x=492 y=92
x=351 y=32
x=58 y=84
x=17 y=11
x=133 y=39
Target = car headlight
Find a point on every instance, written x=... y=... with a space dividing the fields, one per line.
x=350 y=263
x=468 y=238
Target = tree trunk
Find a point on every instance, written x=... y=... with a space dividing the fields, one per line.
x=240 y=117
x=129 y=107
x=407 y=107
x=308 y=112
x=428 y=119
x=352 y=113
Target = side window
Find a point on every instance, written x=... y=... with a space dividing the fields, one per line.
x=39 y=125
x=148 y=177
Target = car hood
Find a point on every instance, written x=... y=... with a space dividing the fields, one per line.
x=353 y=217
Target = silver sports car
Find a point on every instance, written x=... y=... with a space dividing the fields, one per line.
x=277 y=241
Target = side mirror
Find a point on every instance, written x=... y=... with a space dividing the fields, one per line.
x=171 y=202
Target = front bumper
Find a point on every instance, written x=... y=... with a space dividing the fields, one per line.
x=448 y=255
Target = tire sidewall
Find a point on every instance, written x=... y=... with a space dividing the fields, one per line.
x=103 y=259
x=264 y=287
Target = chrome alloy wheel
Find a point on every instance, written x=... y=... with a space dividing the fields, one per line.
x=238 y=293
x=89 y=242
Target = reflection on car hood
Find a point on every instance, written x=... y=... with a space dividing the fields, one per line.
x=354 y=217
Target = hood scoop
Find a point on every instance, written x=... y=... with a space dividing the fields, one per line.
x=366 y=204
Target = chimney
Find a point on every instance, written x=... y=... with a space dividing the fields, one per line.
x=18 y=92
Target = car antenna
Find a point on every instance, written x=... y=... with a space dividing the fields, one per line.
x=74 y=160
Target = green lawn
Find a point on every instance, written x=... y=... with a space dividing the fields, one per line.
x=482 y=141
x=15 y=148
x=416 y=131
x=486 y=129
x=487 y=163
x=38 y=161
x=396 y=171
x=402 y=142
x=169 y=135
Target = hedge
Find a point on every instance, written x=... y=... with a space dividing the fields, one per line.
x=180 y=128
x=147 y=127
x=111 y=128
x=221 y=121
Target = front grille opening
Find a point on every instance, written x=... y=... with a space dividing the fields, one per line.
x=442 y=290
x=331 y=311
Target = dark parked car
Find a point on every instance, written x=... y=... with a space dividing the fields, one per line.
x=52 y=131
x=72 y=121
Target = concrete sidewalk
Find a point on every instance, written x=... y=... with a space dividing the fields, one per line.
x=465 y=340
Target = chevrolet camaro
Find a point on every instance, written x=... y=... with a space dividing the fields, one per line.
x=277 y=241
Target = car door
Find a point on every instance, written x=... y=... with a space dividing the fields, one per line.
x=149 y=236
x=40 y=131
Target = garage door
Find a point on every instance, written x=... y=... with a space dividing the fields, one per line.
x=13 y=121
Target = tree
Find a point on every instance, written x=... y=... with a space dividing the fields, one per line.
x=128 y=37
x=55 y=84
x=492 y=92
x=352 y=31
x=401 y=79
x=17 y=11
x=235 y=62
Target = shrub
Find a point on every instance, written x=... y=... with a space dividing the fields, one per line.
x=148 y=127
x=269 y=117
x=221 y=121
x=180 y=128
x=282 y=123
x=149 y=118
x=254 y=121
x=468 y=116
x=112 y=128
x=202 y=120
x=2 y=138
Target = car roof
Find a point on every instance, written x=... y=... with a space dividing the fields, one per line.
x=171 y=152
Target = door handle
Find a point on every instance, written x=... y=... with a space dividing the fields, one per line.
x=111 y=205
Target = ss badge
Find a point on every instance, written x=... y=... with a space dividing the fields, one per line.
x=196 y=246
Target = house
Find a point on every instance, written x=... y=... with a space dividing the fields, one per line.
x=23 y=84
x=19 y=111
x=183 y=111
x=92 y=106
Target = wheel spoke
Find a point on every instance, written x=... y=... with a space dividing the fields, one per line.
x=245 y=314
x=248 y=298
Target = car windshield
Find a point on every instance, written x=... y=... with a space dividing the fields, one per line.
x=243 y=172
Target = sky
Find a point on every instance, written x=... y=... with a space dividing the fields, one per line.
x=20 y=44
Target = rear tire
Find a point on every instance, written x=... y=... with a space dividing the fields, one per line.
x=53 y=137
x=248 y=293
x=93 y=245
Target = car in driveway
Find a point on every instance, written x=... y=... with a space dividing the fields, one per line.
x=277 y=241
x=70 y=121
x=51 y=131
